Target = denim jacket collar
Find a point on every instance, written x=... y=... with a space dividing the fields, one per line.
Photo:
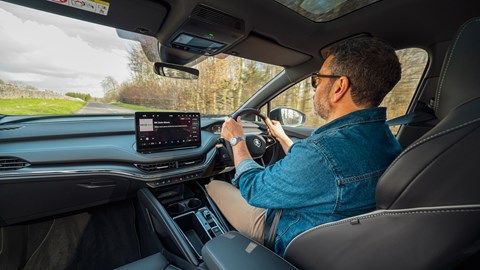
x=374 y=114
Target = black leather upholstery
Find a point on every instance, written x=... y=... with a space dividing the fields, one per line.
x=441 y=168
x=460 y=80
x=429 y=198
x=234 y=251
x=152 y=262
x=424 y=238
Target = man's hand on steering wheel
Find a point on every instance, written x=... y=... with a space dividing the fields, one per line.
x=250 y=146
x=276 y=130
x=232 y=128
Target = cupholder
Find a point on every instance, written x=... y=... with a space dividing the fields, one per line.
x=176 y=208
x=194 y=203
x=183 y=206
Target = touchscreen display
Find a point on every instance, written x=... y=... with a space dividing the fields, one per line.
x=156 y=131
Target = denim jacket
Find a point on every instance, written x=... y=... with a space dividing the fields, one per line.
x=328 y=176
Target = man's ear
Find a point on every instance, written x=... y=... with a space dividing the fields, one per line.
x=341 y=87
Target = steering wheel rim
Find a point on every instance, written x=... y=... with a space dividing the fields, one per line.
x=249 y=111
x=254 y=142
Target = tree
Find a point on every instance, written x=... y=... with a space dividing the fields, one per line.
x=109 y=84
x=110 y=87
x=141 y=70
x=223 y=84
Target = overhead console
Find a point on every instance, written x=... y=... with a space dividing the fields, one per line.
x=208 y=31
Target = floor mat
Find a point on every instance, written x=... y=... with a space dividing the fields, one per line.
x=103 y=238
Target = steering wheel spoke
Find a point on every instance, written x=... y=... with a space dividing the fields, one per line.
x=269 y=141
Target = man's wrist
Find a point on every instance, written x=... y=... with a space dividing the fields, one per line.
x=240 y=152
x=235 y=140
x=284 y=139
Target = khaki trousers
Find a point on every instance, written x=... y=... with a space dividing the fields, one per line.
x=246 y=219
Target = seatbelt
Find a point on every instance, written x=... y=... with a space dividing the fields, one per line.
x=412 y=118
x=270 y=230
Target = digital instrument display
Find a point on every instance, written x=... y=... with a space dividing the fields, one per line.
x=157 y=131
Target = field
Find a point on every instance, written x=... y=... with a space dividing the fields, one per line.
x=32 y=106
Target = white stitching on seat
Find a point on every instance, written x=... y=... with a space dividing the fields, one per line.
x=426 y=210
x=437 y=101
x=431 y=137
x=410 y=211
x=401 y=212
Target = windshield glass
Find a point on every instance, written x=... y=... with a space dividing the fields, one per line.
x=50 y=64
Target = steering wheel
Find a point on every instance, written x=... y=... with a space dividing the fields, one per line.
x=256 y=144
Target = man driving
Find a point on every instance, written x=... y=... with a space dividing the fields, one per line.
x=330 y=175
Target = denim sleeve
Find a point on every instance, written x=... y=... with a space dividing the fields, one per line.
x=244 y=166
x=304 y=177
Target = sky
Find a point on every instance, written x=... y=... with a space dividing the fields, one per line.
x=52 y=52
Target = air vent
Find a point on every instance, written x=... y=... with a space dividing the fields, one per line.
x=191 y=162
x=216 y=17
x=156 y=167
x=11 y=163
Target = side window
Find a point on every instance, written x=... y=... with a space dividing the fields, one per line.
x=413 y=61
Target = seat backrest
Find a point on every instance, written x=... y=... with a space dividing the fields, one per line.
x=441 y=167
x=428 y=200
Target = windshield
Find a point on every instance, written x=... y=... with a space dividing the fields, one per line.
x=50 y=64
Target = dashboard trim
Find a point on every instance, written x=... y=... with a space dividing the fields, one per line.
x=209 y=157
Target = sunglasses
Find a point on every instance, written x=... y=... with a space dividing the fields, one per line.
x=316 y=76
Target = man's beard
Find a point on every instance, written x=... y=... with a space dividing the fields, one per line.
x=321 y=108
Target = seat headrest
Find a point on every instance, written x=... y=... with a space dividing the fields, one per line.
x=460 y=77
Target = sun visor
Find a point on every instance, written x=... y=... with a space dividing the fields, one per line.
x=110 y=13
x=264 y=50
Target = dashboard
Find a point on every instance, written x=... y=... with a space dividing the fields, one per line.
x=53 y=165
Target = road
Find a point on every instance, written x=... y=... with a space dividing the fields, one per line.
x=101 y=108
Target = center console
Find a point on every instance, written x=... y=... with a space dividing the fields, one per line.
x=197 y=223
x=182 y=217
x=182 y=221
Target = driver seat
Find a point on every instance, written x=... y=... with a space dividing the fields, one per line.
x=428 y=200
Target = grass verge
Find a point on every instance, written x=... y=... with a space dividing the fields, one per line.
x=33 y=106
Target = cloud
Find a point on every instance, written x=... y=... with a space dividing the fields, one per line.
x=57 y=53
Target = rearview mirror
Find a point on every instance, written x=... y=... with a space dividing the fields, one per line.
x=288 y=116
x=176 y=71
